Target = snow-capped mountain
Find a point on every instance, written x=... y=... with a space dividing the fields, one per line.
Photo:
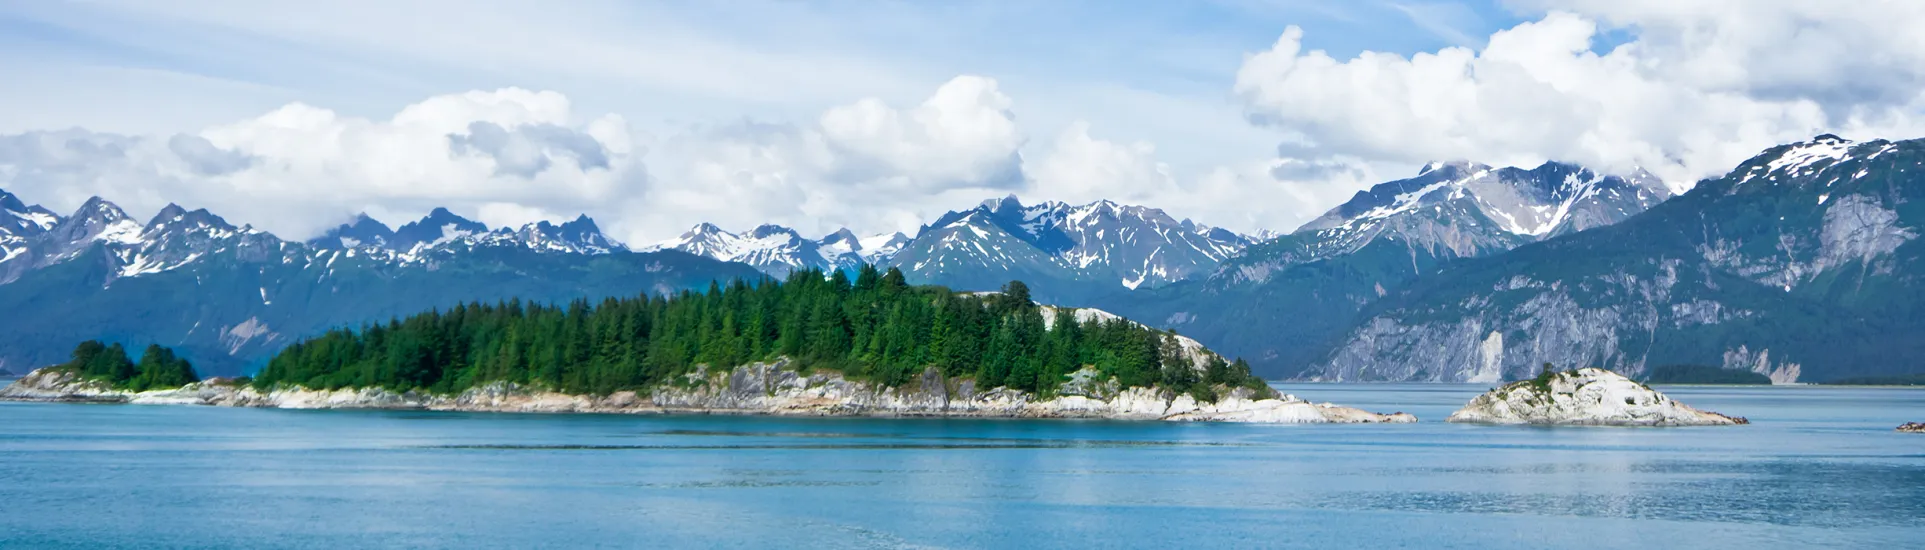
x=580 y=236
x=65 y=238
x=177 y=237
x=1080 y=250
x=231 y=295
x=779 y=250
x=873 y=249
x=1461 y=209
x=442 y=230
x=440 y=227
x=1063 y=251
x=1279 y=298
x=35 y=238
x=1801 y=264
x=19 y=223
x=362 y=231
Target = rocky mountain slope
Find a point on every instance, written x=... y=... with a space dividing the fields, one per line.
x=229 y=296
x=1278 y=300
x=1802 y=264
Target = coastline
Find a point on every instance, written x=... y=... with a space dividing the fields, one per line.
x=762 y=389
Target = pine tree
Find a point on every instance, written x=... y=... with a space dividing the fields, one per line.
x=876 y=327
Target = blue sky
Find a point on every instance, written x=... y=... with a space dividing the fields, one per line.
x=880 y=115
x=1182 y=55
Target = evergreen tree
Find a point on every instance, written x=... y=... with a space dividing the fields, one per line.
x=159 y=368
x=876 y=327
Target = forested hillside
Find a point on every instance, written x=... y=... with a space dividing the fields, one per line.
x=876 y=327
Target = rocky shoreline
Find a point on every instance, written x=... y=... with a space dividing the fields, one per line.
x=1584 y=397
x=754 y=389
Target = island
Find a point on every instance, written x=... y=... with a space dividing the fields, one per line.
x=1912 y=428
x=814 y=344
x=1584 y=397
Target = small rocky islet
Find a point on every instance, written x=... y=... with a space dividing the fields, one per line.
x=1912 y=428
x=1584 y=397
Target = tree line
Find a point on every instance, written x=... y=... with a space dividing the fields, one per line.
x=875 y=327
x=158 y=368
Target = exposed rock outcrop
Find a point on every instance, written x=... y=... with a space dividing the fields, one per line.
x=1584 y=397
x=1913 y=428
x=756 y=389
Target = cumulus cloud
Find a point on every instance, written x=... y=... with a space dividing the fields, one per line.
x=527 y=151
x=866 y=164
x=513 y=156
x=1260 y=194
x=205 y=158
x=1082 y=168
x=299 y=169
x=1684 y=89
x=1699 y=87
x=964 y=135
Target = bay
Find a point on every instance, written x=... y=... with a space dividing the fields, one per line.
x=1819 y=466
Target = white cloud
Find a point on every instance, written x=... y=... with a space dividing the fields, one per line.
x=1699 y=87
x=962 y=136
x=1695 y=88
x=866 y=165
x=299 y=169
x=1261 y=194
x=513 y=156
x=1079 y=168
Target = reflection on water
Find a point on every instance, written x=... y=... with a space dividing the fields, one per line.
x=1819 y=467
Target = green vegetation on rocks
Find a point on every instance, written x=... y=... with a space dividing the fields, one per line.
x=876 y=327
x=159 y=368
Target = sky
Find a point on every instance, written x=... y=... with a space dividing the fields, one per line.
x=879 y=116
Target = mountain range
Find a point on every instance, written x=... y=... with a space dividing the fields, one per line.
x=230 y=296
x=1802 y=264
x=1279 y=300
x=1798 y=265
x=1063 y=252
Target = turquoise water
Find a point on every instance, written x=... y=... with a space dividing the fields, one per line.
x=1819 y=467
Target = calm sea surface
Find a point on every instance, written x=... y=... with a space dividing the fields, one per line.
x=1819 y=467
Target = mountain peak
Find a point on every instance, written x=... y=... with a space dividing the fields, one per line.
x=581 y=223
x=10 y=202
x=363 y=229
x=1459 y=164
x=167 y=214
x=20 y=219
x=843 y=237
x=439 y=225
x=201 y=216
x=767 y=230
x=580 y=236
x=1008 y=202
x=1829 y=139
x=99 y=210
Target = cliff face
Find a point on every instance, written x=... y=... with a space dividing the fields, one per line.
x=1586 y=397
x=758 y=389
